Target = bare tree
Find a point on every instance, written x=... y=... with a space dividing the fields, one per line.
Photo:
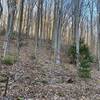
x=20 y=26
x=57 y=29
x=11 y=12
x=98 y=30
x=76 y=27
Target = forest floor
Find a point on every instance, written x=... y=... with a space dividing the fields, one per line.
x=42 y=80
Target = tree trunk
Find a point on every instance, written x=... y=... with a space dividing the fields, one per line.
x=98 y=30
x=20 y=26
x=76 y=28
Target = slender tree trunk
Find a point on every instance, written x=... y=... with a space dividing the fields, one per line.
x=76 y=27
x=91 y=27
x=20 y=26
x=57 y=31
x=41 y=21
x=11 y=12
x=98 y=30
